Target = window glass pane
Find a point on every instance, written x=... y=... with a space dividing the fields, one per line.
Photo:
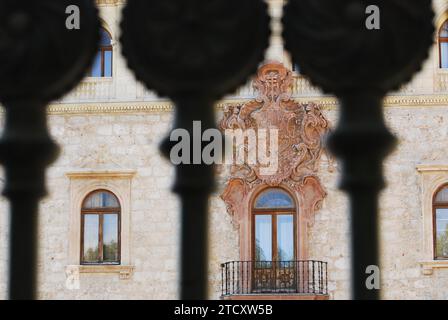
x=96 y=66
x=101 y=199
x=91 y=233
x=442 y=232
x=110 y=238
x=263 y=238
x=105 y=38
x=273 y=199
x=442 y=196
x=285 y=237
x=108 y=63
x=444 y=55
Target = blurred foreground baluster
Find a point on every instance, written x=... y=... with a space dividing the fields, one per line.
x=41 y=59
x=194 y=52
x=334 y=47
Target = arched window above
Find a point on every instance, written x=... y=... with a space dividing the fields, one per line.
x=100 y=228
x=101 y=200
x=274 y=233
x=443 y=45
x=274 y=198
x=102 y=65
x=440 y=208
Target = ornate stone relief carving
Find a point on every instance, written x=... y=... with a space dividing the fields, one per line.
x=301 y=127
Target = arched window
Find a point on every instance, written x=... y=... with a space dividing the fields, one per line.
x=274 y=221
x=102 y=65
x=443 y=46
x=100 y=228
x=440 y=206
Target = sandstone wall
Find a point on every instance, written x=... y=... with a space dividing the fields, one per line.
x=129 y=142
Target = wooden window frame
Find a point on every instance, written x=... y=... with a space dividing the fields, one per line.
x=100 y=212
x=274 y=213
x=103 y=51
x=435 y=206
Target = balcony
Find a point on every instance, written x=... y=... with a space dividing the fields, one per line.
x=274 y=280
x=92 y=90
x=100 y=90
x=300 y=87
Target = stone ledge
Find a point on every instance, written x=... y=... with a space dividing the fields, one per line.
x=109 y=2
x=125 y=272
x=429 y=266
x=109 y=174
x=161 y=105
x=432 y=167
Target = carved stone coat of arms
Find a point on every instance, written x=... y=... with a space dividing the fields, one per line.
x=300 y=127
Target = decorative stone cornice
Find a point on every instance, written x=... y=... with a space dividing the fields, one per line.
x=122 y=174
x=110 y=2
x=325 y=103
x=432 y=168
x=124 y=272
x=114 y=107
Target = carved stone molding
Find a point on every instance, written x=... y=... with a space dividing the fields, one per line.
x=124 y=272
x=109 y=2
x=102 y=175
x=324 y=103
x=301 y=127
x=432 y=177
x=82 y=183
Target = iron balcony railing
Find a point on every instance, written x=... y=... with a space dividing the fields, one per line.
x=274 y=277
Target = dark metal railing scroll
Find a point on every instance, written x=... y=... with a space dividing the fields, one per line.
x=194 y=52
x=335 y=47
x=40 y=60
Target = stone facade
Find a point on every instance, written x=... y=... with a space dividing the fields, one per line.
x=109 y=131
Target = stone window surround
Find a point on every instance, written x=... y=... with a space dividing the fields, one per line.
x=81 y=184
x=114 y=45
x=439 y=73
x=432 y=178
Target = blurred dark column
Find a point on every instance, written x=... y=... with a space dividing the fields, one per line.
x=194 y=52
x=41 y=59
x=343 y=55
